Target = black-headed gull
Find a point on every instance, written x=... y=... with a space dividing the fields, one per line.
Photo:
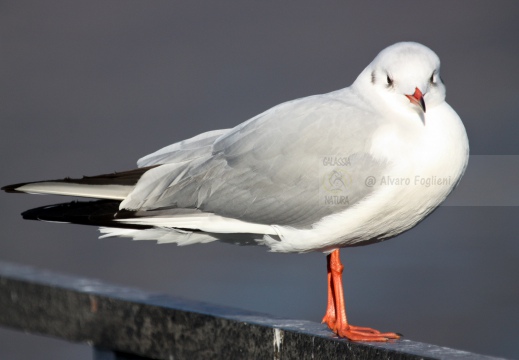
x=352 y=167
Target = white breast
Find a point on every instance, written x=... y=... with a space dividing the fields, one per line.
x=432 y=158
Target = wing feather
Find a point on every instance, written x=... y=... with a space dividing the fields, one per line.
x=269 y=170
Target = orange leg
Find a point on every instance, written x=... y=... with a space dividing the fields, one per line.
x=330 y=316
x=335 y=315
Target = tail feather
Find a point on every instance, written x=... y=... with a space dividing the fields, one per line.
x=115 y=186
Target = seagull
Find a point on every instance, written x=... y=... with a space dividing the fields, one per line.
x=351 y=167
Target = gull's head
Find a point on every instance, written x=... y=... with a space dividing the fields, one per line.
x=404 y=76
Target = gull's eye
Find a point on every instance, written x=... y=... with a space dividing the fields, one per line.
x=389 y=81
x=432 y=79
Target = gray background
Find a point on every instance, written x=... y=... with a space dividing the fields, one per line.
x=89 y=87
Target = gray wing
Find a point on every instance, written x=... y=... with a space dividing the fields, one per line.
x=291 y=165
x=185 y=150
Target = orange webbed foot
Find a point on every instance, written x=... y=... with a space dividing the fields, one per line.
x=358 y=333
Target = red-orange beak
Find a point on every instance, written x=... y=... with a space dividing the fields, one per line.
x=417 y=99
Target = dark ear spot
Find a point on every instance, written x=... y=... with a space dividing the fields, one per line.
x=389 y=81
x=373 y=77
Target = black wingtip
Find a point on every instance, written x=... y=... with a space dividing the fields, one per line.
x=77 y=212
x=12 y=188
x=32 y=214
x=96 y=213
x=129 y=178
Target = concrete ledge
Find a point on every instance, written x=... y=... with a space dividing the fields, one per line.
x=136 y=323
